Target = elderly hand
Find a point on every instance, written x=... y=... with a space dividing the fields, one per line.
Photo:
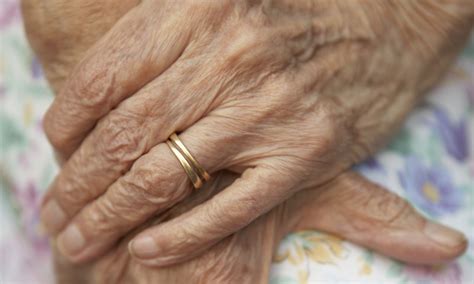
x=289 y=97
x=375 y=218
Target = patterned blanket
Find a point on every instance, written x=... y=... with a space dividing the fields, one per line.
x=430 y=162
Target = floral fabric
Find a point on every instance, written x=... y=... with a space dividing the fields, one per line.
x=430 y=162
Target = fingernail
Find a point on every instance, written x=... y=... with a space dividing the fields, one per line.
x=443 y=235
x=144 y=247
x=71 y=241
x=53 y=217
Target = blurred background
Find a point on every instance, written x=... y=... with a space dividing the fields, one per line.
x=430 y=163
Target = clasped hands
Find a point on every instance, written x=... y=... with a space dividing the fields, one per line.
x=277 y=100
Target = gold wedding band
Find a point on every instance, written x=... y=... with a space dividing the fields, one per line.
x=199 y=169
x=196 y=173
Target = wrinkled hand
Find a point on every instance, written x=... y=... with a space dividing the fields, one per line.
x=270 y=90
x=374 y=218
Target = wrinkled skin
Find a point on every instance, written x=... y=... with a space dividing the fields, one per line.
x=60 y=67
x=375 y=218
x=231 y=261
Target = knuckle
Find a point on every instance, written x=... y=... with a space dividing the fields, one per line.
x=125 y=206
x=105 y=218
x=245 y=38
x=137 y=189
x=72 y=191
x=100 y=217
x=370 y=207
x=121 y=140
x=91 y=86
x=394 y=208
x=384 y=206
x=151 y=185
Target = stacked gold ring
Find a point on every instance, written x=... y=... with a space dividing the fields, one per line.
x=196 y=173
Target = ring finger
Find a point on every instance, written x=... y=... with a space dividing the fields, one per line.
x=125 y=134
x=154 y=183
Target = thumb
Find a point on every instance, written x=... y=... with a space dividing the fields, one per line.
x=367 y=214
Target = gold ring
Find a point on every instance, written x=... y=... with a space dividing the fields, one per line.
x=196 y=173
x=199 y=169
x=196 y=181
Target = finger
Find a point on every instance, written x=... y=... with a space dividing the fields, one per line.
x=120 y=138
x=254 y=193
x=367 y=214
x=163 y=106
x=156 y=182
x=122 y=62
